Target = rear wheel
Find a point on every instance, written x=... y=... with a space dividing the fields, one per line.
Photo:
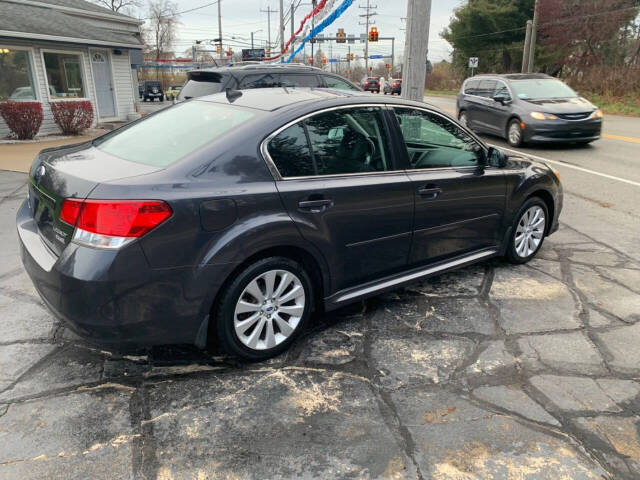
x=528 y=231
x=264 y=309
x=514 y=133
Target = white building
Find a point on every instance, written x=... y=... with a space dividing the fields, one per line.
x=57 y=50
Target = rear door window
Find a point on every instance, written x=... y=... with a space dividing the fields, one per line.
x=299 y=80
x=349 y=140
x=261 y=80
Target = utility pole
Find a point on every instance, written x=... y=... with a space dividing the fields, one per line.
x=527 y=48
x=220 y=29
x=534 y=29
x=367 y=16
x=393 y=41
x=251 y=40
x=416 y=47
x=268 y=11
x=293 y=40
x=281 y=31
x=313 y=26
x=349 y=62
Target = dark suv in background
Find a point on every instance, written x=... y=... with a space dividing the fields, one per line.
x=527 y=108
x=151 y=89
x=214 y=80
x=371 y=84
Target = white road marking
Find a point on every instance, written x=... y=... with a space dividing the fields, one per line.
x=574 y=167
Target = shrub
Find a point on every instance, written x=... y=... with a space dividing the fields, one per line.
x=73 y=117
x=23 y=118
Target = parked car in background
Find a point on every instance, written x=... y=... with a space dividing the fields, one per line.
x=527 y=108
x=152 y=90
x=234 y=216
x=140 y=89
x=214 y=80
x=172 y=92
x=370 y=84
x=393 y=86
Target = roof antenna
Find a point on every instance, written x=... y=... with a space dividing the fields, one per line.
x=233 y=95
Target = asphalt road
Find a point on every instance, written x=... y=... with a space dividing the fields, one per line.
x=601 y=180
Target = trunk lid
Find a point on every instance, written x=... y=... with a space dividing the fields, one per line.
x=70 y=172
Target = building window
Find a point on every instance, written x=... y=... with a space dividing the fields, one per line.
x=16 y=79
x=64 y=75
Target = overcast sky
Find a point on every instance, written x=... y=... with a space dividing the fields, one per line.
x=241 y=17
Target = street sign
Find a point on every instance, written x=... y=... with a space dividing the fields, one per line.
x=375 y=56
x=473 y=62
x=333 y=60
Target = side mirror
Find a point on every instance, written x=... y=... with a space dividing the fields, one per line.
x=500 y=99
x=496 y=158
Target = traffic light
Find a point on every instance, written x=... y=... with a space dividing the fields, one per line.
x=229 y=52
x=341 y=36
x=352 y=56
x=324 y=60
x=218 y=49
x=311 y=60
x=373 y=34
x=268 y=51
x=387 y=66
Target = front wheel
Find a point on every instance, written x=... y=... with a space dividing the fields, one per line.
x=514 y=133
x=528 y=231
x=463 y=119
x=264 y=309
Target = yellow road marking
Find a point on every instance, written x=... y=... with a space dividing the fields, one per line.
x=621 y=138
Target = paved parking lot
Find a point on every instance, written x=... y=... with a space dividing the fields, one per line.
x=491 y=372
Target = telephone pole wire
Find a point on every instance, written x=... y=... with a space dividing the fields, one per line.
x=367 y=16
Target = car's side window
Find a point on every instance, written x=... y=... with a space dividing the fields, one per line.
x=486 y=88
x=349 y=140
x=262 y=80
x=471 y=87
x=298 y=80
x=338 y=84
x=502 y=91
x=434 y=141
x=290 y=151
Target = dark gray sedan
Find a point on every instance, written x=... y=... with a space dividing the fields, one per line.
x=527 y=108
x=256 y=207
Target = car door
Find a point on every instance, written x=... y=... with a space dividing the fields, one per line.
x=341 y=186
x=498 y=113
x=484 y=105
x=459 y=200
x=470 y=100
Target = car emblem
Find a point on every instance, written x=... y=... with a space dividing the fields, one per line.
x=40 y=173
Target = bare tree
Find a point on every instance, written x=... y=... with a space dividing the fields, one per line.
x=161 y=30
x=119 y=6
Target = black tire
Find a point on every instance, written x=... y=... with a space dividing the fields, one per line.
x=515 y=142
x=511 y=254
x=225 y=310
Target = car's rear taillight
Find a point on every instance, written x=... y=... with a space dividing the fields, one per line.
x=395 y=84
x=112 y=223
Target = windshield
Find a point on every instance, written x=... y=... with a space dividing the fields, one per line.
x=542 y=89
x=171 y=134
x=201 y=84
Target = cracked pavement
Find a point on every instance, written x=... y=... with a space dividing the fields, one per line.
x=490 y=372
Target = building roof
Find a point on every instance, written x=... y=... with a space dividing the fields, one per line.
x=62 y=21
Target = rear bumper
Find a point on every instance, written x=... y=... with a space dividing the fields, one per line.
x=563 y=131
x=113 y=297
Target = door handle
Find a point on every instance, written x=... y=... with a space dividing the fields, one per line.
x=315 y=206
x=429 y=192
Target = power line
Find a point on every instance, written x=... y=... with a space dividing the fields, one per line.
x=186 y=11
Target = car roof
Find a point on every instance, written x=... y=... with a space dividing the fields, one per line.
x=270 y=99
x=257 y=68
x=511 y=76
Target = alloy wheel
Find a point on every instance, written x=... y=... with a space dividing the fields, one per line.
x=514 y=134
x=269 y=309
x=530 y=231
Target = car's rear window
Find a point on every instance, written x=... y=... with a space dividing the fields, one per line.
x=201 y=84
x=171 y=134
